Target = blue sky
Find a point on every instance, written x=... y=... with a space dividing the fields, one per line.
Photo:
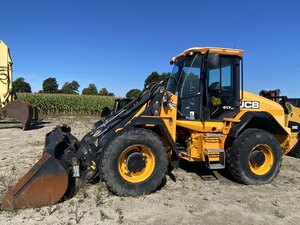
x=117 y=44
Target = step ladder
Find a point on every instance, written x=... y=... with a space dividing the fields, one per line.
x=214 y=158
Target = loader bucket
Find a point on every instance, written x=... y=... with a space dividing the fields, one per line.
x=22 y=111
x=44 y=184
x=49 y=180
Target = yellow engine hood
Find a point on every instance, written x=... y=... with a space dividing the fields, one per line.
x=253 y=102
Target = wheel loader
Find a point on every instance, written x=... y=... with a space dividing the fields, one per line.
x=203 y=115
x=22 y=111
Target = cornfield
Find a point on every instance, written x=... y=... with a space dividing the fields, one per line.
x=62 y=104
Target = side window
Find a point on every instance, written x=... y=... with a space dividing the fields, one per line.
x=221 y=94
x=221 y=77
x=213 y=76
x=189 y=94
x=226 y=71
x=191 y=82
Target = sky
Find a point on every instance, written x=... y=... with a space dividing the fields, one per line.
x=116 y=44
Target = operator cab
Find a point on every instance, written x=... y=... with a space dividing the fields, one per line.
x=207 y=83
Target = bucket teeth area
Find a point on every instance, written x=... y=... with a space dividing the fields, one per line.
x=45 y=183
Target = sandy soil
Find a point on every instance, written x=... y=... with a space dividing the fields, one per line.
x=190 y=196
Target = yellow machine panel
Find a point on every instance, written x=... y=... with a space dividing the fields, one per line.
x=5 y=75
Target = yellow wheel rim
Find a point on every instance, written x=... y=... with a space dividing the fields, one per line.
x=143 y=173
x=264 y=166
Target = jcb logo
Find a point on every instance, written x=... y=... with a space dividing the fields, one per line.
x=250 y=105
x=216 y=101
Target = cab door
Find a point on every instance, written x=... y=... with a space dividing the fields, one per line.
x=223 y=89
x=189 y=92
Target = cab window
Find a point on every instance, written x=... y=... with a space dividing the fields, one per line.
x=221 y=94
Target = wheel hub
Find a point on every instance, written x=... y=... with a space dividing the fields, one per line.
x=257 y=158
x=135 y=162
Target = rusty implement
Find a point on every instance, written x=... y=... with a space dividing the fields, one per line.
x=49 y=180
x=44 y=184
x=22 y=111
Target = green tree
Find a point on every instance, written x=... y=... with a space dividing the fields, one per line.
x=156 y=77
x=153 y=77
x=90 y=90
x=19 y=85
x=104 y=92
x=50 y=85
x=133 y=93
x=164 y=76
x=70 y=88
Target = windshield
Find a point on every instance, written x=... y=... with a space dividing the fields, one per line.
x=186 y=72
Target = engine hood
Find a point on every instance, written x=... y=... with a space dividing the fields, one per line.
x=253 y=102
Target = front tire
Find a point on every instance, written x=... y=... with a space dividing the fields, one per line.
x=134 y=163
x=254 y=158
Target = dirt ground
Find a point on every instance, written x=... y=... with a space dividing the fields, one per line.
x=191 y=195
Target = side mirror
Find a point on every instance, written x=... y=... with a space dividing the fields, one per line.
x=213 y=60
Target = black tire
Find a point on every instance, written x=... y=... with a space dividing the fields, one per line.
x=295 y=152
x=116 y=179
x=244 y=160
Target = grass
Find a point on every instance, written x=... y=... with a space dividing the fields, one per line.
x=6 y=183
x=103 y=216
x=37 y=143
x=279 y=214
x=101 y=193
x=52 y=208
x=82 y=195
x=120 y=214
x=77 y=214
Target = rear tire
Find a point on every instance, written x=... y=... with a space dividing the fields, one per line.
x=134 y=163
x=254 y=158
x=295 y=152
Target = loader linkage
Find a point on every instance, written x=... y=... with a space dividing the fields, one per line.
x=66 y=163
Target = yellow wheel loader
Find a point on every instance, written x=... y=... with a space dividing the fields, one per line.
x=203 y=115
x=22 y=111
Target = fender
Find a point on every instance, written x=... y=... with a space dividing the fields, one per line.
x=140 y=121
x=262 y=120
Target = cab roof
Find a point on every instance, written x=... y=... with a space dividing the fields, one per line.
x=203 y=50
